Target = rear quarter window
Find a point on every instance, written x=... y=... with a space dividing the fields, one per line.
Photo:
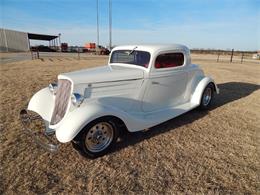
x=169 y=60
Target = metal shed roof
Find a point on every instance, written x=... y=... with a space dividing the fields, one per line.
x=41 y=37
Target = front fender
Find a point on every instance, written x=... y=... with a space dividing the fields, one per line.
x=77 y=119
x=42 y=103
x=196 y=96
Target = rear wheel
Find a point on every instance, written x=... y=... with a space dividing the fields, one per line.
x=97 y=137
x=207 y=97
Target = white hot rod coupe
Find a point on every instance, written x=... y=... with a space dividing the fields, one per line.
x=142 y=86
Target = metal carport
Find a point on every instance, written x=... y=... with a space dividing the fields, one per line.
x=54 y=40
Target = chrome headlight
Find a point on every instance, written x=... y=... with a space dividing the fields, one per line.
x=53 y=88
x=77 y=99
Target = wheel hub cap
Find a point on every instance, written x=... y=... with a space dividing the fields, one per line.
x=207 y=96
x=99 y=137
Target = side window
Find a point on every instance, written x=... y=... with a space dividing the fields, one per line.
x=169 y=60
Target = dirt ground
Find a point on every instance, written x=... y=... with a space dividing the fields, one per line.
x=199 y=152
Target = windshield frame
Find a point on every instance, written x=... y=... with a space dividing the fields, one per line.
x=131 y=64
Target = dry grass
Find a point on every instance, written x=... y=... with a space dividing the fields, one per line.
x=198 y=152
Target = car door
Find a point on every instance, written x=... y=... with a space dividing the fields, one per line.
x=166 y=85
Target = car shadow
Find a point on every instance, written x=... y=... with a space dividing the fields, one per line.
x=229 y=92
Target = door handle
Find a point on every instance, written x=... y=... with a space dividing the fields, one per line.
x=155 y=83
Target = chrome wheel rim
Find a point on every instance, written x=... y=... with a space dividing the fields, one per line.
x=207 y=96
x=99 y=137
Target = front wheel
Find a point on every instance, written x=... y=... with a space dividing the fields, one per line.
x=97 y=137
x=207 y=97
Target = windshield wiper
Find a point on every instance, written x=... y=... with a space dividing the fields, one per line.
x=132 y=51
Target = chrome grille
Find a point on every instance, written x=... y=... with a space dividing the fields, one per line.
x=61 y=101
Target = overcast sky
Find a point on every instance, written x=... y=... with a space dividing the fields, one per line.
x=219 y=24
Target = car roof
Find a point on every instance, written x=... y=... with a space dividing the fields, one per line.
x=155 y=48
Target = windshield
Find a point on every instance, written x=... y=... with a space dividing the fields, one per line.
x=135 y=57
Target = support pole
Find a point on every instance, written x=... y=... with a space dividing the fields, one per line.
x=110 y=25
x=97 y=27
x=38 y=55
x=59 y=42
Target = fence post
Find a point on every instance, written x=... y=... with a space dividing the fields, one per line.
x=218 y=56
x=242 y=58
x=78 y=54
x=232 y=52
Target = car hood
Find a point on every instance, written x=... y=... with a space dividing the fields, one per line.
x=103 y=74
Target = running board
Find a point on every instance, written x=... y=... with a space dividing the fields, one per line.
x=170 y=112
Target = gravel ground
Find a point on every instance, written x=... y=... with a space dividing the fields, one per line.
x=199 y=152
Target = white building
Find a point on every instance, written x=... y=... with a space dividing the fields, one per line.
x=15 y=41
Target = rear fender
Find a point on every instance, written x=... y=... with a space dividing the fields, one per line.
x=196 y=96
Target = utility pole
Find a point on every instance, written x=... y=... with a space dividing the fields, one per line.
x=97 y=27
x=110 y=25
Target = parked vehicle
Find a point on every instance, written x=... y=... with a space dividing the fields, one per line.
x=102 y=51
x=256 y=56
x=142 y=86
x=43 y=48
x=64 y=47
x=90 y=47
